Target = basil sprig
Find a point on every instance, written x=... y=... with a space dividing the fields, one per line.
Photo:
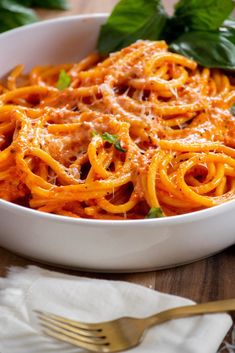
x=15 y=13
x=132 y=20
x=199 y=29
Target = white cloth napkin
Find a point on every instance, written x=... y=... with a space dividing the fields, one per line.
x=94 y=300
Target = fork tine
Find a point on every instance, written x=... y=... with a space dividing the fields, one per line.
x=49 y=321
x=74 y=334
x=76 y=342
x=82 y=325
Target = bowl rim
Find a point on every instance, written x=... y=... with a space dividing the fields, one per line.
x=51 y=21
x=169 y=221
x=177 y=219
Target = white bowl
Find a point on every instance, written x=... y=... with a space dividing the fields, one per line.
x=96 y=245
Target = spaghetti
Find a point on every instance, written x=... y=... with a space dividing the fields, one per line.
x=144 y=128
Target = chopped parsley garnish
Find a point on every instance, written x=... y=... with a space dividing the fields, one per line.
x=155 y=212
x=64 y=80
x=113 y=139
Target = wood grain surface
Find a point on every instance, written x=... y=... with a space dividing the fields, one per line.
x=209 y=279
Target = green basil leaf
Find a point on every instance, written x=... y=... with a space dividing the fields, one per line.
x=109 y=137
x=228 y=30
x=206 y=15
x=113 y=139
x=210 y=49
x=63 y=81
x=14 y=15
x=47 y=4
x=132 y=20
x=118 y=146
x=155 y=212
x=229 y=23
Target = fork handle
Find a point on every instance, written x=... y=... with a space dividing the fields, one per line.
x=219 y=306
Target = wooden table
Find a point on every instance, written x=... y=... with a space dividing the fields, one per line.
x=208 y=279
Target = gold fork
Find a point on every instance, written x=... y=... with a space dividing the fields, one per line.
x=123 y=333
